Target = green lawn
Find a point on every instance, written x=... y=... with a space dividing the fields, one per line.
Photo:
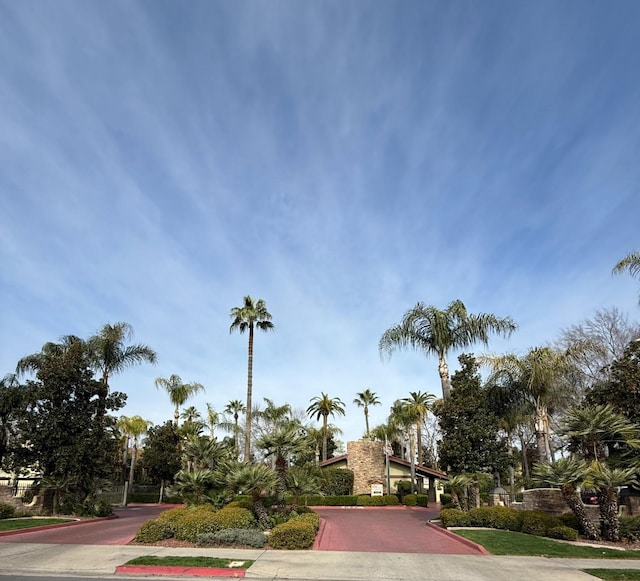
x=14 y=524
x=508 y=543
x=189 y=562
x=615 y=574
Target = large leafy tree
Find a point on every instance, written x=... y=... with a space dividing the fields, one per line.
x=323 y=406
x=363 y=400
x=161 y=458
x=250 y=316
x=178 y=391
x=61 y=430
x=110 y=354
x=438 y=331
x=471 y=441
x=630 y=263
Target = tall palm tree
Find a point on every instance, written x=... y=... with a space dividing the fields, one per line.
x=419 y=404
x=322 y=407
x=32 y=363
x=363 y=400
x=110 y=355
x=178 y=391
x=539 y=375
x=405 y=418
x=213 y=419
x=250 y=316
x=630 y=263
x=133 y=427
x=437 y=332
x=235 y=408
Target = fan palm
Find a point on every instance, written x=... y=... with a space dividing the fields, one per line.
x=235 y=408
x=196 y=487
x=110 y=355
x=437 y=332
x=250 y=316
x=255 y=480
x=569 y=474
x=301 y=481
x=363 y=400
x=630 y=263
x=322 y=407
x=178 y=391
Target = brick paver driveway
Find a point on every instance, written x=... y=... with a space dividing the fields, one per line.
x=389 y=530
x=117 y=531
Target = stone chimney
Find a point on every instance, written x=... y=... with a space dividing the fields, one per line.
x=366 y=459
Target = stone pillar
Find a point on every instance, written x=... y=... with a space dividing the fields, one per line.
x=366 y=460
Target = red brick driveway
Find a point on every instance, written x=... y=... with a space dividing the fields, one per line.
x=387 y=530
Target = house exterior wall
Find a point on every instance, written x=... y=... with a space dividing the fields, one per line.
x=366 y=460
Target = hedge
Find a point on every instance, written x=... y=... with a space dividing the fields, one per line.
x=7 y=511
x=336 y=481
x=153 y=531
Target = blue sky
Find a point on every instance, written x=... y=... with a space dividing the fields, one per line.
x=341 y=160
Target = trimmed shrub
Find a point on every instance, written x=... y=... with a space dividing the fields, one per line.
x=173 y=515
x=446 y=500
x=153 y=531
x=536 y=522
x=630 y=528
x=249 y=537
x=292 y=535
x=7 y=511
x=496 y=517
x=195 y=521
x=563 y=533
x=241 y=504
x=453 y=517
x=568 y=519
x=371 y=501
x=391 y=500
x=309 y=517
x=403 y=487
x=318 y=500
x=410 y=499
x=233 y=518
x=422 y=500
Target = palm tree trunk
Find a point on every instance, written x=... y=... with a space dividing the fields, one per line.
x=412 y=452
x=176 y=415
x=247 y=433
x=419 y=437
x=608 y=502
x=261 y=512
x=324 y=438
x=574 y=502
x=133 y=464
x=366 y=419
x=525 y=459
x=445 y=380
x=540 y=429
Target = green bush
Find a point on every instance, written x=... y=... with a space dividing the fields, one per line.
x=295 y=534
x=244 y=503
x=453 y=517
x=7 y=511
x=496 y=517
x=563 y=533
x=410 y=499
x=403 y=487
x=103 y=508
x=569 y=519
x=249 y=537
x=630 y=528
x=233 y=518
x=336 y=481
x=391 y=500
x=536 y=522
x=371 y=501
x=422 y=500
x=173 y=515
x=446 y=500
x=318 y=500
x=195 y=521
x=153 y=531
x=309 y=517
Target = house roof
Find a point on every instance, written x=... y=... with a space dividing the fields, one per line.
x=420 y=470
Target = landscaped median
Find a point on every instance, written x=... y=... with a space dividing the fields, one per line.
x=192 y=566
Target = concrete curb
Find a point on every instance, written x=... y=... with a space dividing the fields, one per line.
x=56 y=526
x=173 y=570
x=460 y=538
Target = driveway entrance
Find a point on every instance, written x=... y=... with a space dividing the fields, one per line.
x=389 y=530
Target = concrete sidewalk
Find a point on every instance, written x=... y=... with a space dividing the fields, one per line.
x=91 y=560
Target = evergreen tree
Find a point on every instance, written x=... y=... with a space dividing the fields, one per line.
x=470 y=431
